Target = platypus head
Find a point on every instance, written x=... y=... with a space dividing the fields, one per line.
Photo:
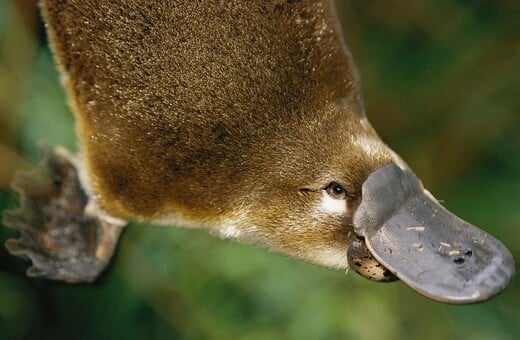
x=302 y=194
x=337 y=196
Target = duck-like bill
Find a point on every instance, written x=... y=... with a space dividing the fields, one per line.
x=427 y=247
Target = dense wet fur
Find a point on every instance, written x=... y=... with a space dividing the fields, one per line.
x=218 y=114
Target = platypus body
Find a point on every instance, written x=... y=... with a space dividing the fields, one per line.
x=245 y=118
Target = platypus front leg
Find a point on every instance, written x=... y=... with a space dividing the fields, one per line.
x=59 y=232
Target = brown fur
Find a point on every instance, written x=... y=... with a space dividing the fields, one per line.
x=205 y=109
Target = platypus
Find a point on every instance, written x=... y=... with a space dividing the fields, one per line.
x=244 y=118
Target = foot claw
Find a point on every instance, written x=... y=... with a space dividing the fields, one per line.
x=56 y=234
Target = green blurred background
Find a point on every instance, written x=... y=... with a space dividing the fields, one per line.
x=440 y=81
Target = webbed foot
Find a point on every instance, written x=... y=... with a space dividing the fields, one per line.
x=57 y=233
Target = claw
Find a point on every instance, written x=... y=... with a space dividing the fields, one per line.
x=62 y=241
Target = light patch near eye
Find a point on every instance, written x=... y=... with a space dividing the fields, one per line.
x=229 y=231
x=332 y=205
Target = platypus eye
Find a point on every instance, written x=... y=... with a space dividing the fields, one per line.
x=336 y=190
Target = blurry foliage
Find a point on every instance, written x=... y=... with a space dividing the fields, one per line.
x=440 y=81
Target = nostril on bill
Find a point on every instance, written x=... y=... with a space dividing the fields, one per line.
x=461 y=256
x=458 y=260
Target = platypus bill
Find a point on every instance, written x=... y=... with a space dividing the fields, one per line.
x=245 y=118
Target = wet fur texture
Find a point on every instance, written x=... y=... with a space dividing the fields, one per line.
x=218 y=114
